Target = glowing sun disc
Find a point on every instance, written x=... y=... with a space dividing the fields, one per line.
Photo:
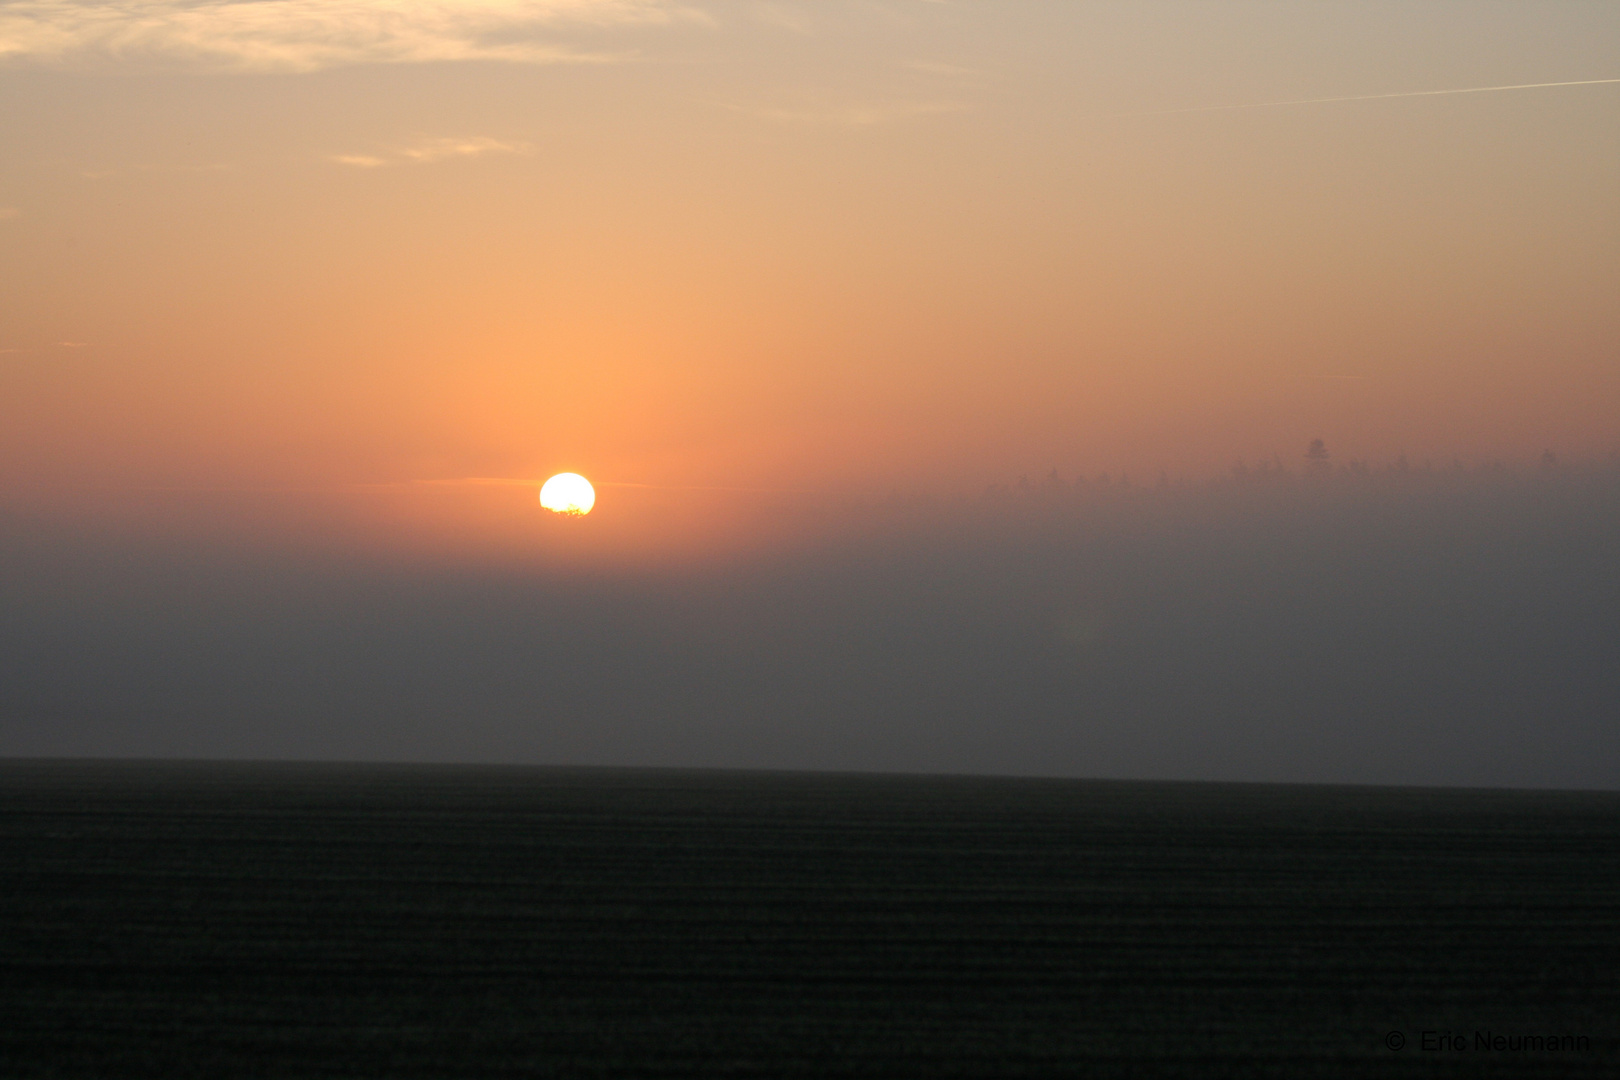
x=568 y=493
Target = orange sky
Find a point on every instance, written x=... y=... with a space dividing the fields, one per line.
x=840 y=247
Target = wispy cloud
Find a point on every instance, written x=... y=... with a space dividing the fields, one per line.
x=8 y=212
x=1379 y=97
x=426 y=151
x=438 y=149
x=307 y=35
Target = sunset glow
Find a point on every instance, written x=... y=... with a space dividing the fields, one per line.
x=794 y=247
x=1174 y=389
x=1079 y=480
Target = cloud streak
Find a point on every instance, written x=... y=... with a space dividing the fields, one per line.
x=1376 y=97
x=438 y=149
x=308 y=35
x=427 y=151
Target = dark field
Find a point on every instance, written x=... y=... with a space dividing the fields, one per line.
x=235 y=920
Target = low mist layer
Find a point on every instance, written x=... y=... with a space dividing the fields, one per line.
x=1386 y=626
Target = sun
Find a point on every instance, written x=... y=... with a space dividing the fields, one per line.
x=568 y=493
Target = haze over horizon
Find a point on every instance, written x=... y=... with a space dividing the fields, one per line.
x=301 y=300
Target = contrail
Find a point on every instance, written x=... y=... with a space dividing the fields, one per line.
x=1376 y=97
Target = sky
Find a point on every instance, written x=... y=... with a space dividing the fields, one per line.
x=300 y=300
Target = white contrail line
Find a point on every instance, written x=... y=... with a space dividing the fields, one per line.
x=1375 y=97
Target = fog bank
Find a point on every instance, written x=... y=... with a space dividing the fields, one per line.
x=1417 y=627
